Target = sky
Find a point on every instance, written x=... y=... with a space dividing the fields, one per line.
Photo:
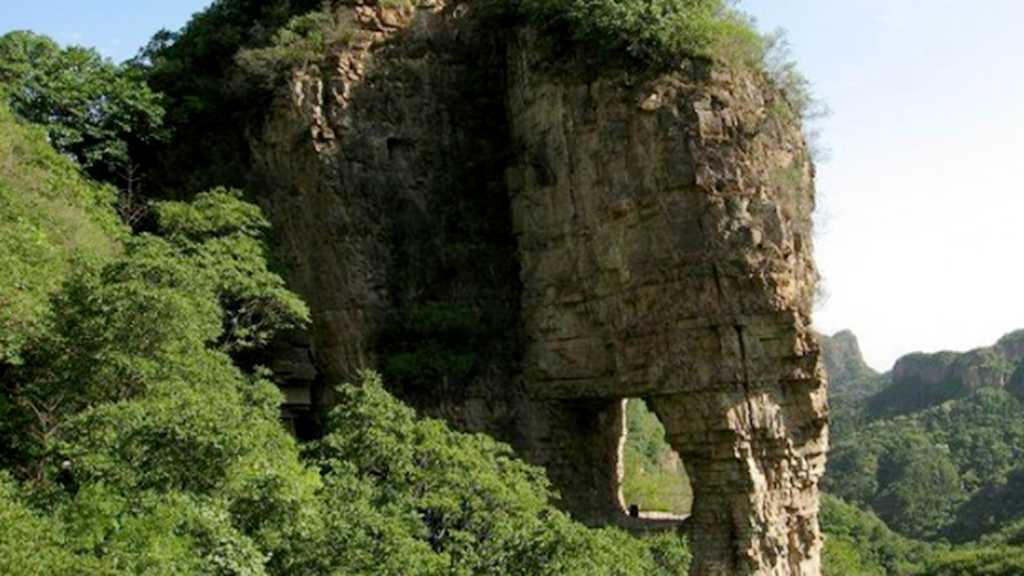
x=919 y=201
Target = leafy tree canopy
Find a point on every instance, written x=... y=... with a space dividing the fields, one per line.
x=93 y=109
x=51 y=220
x=455 y=503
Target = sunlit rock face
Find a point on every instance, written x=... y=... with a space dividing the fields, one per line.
x=609 y=234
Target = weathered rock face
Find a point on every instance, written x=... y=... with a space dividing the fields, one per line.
x=608 y=235
x=665 y=256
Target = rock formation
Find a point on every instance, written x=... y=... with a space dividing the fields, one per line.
x=920 y=380
x=843 y=358
x=849 y=376
x=543 y=240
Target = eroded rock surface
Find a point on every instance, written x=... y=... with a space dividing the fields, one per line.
x=607 y=234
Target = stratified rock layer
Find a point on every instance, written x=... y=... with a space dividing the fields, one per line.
x=615 y=234
x=664 y=244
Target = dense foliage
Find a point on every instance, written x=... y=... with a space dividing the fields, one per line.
x=647 y=30
x=941 y=472
x=210 y=104
x=131 y=441
x=456 y=503
x=93 y=109
x=859 y=543
x=51 y=220
x=936 y=454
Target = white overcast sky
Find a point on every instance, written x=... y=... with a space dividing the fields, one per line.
x=920 y=203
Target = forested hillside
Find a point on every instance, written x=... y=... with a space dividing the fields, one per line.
x=936 y=453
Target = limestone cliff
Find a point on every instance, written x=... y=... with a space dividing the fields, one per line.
x=542 y=241
x=921 y=380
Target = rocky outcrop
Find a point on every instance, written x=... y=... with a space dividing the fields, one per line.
x=521 y=245
x=664 y=257
x=850 y=378
x=843 y=358
x=921 y=380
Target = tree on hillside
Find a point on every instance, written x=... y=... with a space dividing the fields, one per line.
x=144 y=318
x=210 y=108
x=94 y=110
x=51 y=220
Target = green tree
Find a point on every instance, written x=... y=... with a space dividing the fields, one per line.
x=859 y=542
x=94 y=110
x=456 y=501
x=210 y=105
x=52 y=220
x=165 y=302
x=30 y=543
x=180 y=463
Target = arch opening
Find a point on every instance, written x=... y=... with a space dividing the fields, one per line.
x=653 y=483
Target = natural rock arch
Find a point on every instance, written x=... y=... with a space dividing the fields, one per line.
x=658 y=245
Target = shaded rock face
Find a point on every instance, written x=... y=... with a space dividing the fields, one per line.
x=521 y=247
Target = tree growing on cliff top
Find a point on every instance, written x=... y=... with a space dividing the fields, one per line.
x=648 y=30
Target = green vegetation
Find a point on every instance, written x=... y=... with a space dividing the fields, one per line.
x=942 y=472
x=131 y=441
x=436 y=345
x=659 y=33
x=52 y=220
x=416 y=498
x=93 y=110
x=652 y=31
x=210 y=102
x=306 y=39
x=951 y=376
x=654 y=477
x=977 y=561
x=935 y=454
x=859 y=543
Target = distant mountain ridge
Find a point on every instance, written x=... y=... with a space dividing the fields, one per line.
x=937 y=451
x=921 y=380
x=843 y=357
x=849 y=375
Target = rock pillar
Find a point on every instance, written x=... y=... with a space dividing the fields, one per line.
x=664 y=233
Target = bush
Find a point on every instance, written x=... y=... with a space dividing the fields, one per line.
x=411 y=495
x=647 y=30
x=305 y=39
